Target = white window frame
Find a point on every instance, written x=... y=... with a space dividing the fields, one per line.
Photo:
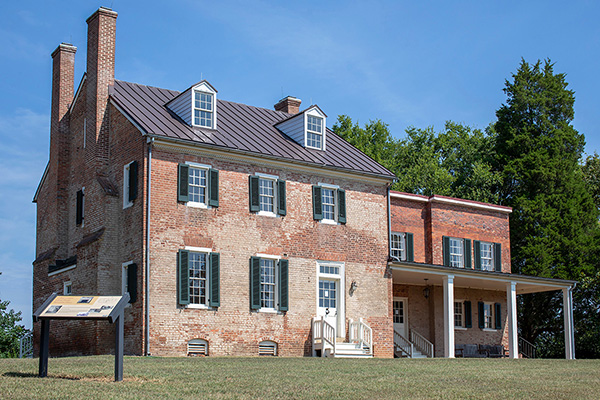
x=275 y=260
x=462 y=325
x=206 y=168
x=335 y=188
x=206 y=251
x=402 y=249
x=67 y=288
x=491 y=259
x=124 y=279
x=273 y=178
x=461 y=246
x=212 y=112
x=341 y=306
x=491 y=316
x=313 y=132
x=126 y=202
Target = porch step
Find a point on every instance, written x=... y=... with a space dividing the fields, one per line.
x=416 y=354
x=351 y=350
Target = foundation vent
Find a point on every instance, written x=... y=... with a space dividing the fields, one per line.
x=267 y=348
x=197 y=347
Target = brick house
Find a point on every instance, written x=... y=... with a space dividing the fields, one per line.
x=240 y=230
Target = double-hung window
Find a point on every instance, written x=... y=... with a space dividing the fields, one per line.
x=462 y=314
x=488 y=256
x=198 y=185
x=198 y=278
x=329 y=204
x=129 y=280
x=490 y=315
x=267 y=195
x=456 y=252
x=130 y=183
x=203 y=109
x=402 y=246
x=268 y=283
x=314 y=132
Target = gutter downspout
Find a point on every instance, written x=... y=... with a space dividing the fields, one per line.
x=389 y=212
x=150 y=142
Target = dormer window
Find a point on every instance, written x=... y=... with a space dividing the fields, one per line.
x=203 y=109
x=314 y=132
x=196 y=106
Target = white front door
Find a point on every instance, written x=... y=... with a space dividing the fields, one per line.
x=329 y=301
x=400 y=314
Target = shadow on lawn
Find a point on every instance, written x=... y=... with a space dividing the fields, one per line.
x=32 y=375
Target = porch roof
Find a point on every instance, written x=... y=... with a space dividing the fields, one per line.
x=410 y=273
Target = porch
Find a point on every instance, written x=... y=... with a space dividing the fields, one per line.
x=437 y=309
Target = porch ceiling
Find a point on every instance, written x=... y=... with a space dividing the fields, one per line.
x=415 y=274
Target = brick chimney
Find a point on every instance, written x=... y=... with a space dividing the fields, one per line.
x=289 y=104
x=100 y=74
x=63 y=74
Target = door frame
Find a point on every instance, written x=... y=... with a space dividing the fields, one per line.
x=341 y=305
x=406 y=326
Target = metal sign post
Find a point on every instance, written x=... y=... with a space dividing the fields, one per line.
x=109 y=308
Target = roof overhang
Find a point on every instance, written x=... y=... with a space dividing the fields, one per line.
x=415 y=274
x=44 y=175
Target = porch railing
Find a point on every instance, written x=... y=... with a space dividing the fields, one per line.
x=324 y=332
x=361 y=333
x=403 y=345
x=422 y=344
x=527 y=349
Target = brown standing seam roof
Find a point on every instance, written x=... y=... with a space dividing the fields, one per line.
x=239 y=127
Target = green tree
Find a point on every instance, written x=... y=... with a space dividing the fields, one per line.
x=10 y=331
x=553 y=223
x=591 y=174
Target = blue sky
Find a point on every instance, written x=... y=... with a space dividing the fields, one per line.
x=407 y=63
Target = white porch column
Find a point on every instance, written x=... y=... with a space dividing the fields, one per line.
x=449 y=316
x=568 y=315
x=511 y=305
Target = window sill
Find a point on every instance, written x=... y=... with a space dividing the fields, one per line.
x=490 y=330
x=193 y=204
x=268 y=311
x=267 y=214
x=329 y=222
x=460 y=328
x=199 y=307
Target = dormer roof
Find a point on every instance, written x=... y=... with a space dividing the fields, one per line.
x=240 y=128
x=186 y=105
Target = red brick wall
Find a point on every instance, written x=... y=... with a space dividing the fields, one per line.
x=237 y=235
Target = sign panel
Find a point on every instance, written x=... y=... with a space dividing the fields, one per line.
x=86 y=307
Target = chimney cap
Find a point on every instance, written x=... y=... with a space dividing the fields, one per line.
x=289 y=104
x=102 y=10
x=66 y=47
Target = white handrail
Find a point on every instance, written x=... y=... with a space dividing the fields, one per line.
x=422 y=344
x=361 y=333
x=325 y=332
x=400 y=342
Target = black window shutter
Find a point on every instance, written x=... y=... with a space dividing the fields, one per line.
x=132 y=282
x=182 y=182
x=317 y=203
x=477 y=253
x=410 y=247
x=467 y=253
x=254 y=200
x=184 y=278
x=254 y=283
x=215 y=293
x=498 y=315
x=281 y=200
x=133 y=181
x=468 y=317
x=480 y=314
x=79 y=208
x=213 y=187
x=283 y=285
x=497 y=257
x=341 y=206
x=446 y=250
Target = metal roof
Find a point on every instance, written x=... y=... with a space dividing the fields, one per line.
x=240 y=127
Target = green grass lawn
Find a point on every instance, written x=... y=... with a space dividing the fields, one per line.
x=300 y=378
